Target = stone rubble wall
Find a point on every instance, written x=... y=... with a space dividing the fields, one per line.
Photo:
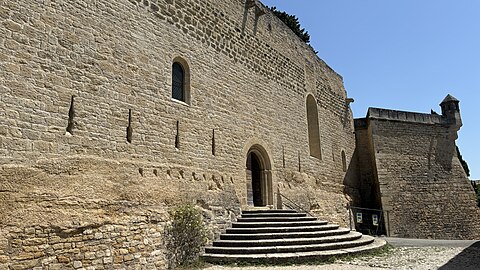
x=115 y=56
x=109 y=219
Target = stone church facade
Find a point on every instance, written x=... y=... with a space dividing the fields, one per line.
x=114 y=111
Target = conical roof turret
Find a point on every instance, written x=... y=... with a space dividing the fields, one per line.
x=449 y=98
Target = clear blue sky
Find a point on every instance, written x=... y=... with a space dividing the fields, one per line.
x=401 y=54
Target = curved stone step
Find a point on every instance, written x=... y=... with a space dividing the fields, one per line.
x=273 y=236
x=283 y=235
x=275 y=219
x=364 y=240
x=298 y=257
x=277 y=224
x=254 y=230
x=268 y=211
x=273 y=215
x=288 y=241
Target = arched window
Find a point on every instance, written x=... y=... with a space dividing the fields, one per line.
x=178 y=82
x=313 y=129
x=344 y=161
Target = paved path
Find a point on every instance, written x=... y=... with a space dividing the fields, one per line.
x=412 y=254
x=404 y=242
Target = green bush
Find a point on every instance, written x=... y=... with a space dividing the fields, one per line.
x=185 y=236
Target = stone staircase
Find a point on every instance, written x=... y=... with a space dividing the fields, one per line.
x=283 y=236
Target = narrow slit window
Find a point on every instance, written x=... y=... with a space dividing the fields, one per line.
x=344 y=161
x=129 y=127
x=71 y=116
x=213 y=142
x=299 y=162
x=177 y=136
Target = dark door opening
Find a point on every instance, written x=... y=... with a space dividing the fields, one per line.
x=255 y=167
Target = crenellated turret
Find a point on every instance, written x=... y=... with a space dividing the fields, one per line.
x=451 y=111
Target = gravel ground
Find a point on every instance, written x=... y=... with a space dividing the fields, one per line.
x=421 y=258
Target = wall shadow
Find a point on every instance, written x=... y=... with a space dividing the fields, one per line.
x=351 y=185
x=468 y=259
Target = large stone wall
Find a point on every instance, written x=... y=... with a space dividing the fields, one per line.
x=420 y=181
x=79 y=212
x=89 y=198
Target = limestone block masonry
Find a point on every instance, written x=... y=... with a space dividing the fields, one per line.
x=411 y=169
x=94 y=150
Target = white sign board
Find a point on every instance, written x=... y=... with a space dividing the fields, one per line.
x=375 y=219
x=359 y=218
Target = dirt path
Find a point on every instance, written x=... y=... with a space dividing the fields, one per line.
x=419 y=258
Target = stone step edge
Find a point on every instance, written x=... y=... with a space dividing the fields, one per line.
x=250 y=219
x=315 y=228
x=365 y=240
x=282 y=218
x=288 y=241
x=286 y=235
x=285 y=224
x=269 y=211
x=274 y=215
x=295 y=257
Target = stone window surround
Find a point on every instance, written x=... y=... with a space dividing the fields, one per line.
x=186 y=87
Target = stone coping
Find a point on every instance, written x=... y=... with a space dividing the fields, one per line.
x=402 y=116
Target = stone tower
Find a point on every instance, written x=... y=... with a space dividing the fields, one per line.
x=451 y=111
x=408 y=162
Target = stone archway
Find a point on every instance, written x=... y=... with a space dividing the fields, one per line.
x=259 y=178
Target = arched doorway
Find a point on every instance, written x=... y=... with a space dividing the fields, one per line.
x=259 y=178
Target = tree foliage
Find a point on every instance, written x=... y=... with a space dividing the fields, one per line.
x=464 y=163
x=292 y=22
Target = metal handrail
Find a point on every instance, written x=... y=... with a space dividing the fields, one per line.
x=361 y=208
x=292 y=202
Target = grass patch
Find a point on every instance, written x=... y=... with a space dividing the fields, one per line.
x=381 y=252
x=195 y=265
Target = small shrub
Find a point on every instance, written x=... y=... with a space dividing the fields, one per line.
x=184 y=236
